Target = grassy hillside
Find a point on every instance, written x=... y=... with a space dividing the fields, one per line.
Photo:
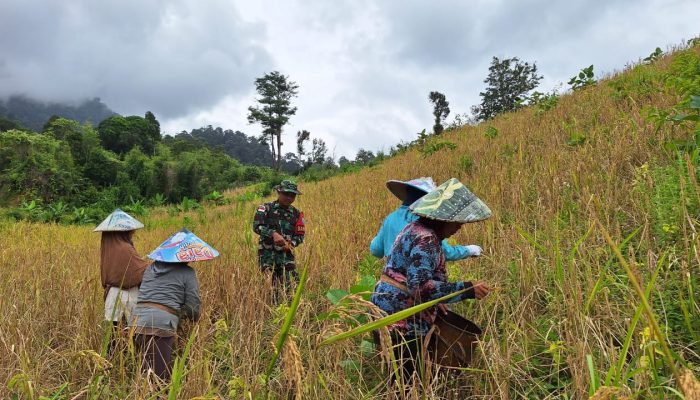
x=556 y=327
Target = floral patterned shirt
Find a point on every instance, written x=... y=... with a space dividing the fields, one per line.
x=418 y=261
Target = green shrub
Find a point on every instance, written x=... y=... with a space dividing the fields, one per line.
x=435 y=146
x=543 y=102
x=668 y=200
x=655 y=55
x=465 y=164
x=491 y=132
x=641 y=81
x=36 y=166
x=576 y=139
x=584 y=78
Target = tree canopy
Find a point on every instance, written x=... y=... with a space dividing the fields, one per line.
x=441 y=109
x=508 y=83
x=121 y=134
x=273 y=110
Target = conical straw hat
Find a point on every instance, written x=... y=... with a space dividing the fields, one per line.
x=118 y=221
x=183 y=246
x=451 y=202
x=400 y=188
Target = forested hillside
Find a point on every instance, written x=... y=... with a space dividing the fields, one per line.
x=74 y=173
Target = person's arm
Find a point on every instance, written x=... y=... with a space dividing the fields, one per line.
x=419 y=275
x=192 y=305
x=299 y=230
x=259 y=225
x=454 y=253
x=376 y=247
x=297 y=240
x=459 y=252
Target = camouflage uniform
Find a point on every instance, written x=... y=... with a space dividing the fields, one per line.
x=288 y=222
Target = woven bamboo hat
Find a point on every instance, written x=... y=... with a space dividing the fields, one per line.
x=118 y=221
x=451 y=202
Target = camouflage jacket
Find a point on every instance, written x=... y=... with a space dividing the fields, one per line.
x=288 y=222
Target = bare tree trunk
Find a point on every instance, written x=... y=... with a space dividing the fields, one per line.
x=279 y=150
x=272 y=149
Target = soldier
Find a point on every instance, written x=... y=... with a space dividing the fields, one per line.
x=281 y=229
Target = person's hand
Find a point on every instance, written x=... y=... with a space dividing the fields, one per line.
x=278 y=239
x=443 y=308
x=474 y=250
x=481 y=290
x=289 y=246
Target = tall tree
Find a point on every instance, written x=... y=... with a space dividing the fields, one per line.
x=302 y=136
x=273 y=110
x=364 y=157
x=441 y=109
x=153 y=126
x=318 y=152
x=508 y=83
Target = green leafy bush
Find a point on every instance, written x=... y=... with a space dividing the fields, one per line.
x=36 y=166
x=543 y=102
x=435 y=146
x=491 y=132
x=585 y=78
x=655 y=55
x=466 y=163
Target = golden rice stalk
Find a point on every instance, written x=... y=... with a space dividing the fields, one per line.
x=608 y=393
x=98 y=362
x=292 y=366
x=385 y=344
x=689 y=385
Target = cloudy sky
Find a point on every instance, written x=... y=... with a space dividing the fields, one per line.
x=364 y=68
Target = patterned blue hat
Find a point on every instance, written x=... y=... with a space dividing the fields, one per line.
x=118 y=221
x=183 y=246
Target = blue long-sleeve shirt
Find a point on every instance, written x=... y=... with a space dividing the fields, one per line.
x=394 y=223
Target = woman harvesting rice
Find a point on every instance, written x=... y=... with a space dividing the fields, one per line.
x=168 y=293
x=415 y=269
x=121 y=267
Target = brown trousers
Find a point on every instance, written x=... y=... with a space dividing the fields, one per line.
x=157 y=354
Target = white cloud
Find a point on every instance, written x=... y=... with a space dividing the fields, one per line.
x=364 y=68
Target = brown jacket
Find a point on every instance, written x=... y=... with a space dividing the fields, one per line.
x=120 y=264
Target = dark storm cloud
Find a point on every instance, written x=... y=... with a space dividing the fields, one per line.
x=171 y=57
x=448 y=33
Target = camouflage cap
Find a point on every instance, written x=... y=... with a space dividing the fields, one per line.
x=288 y=186
x=451 y=202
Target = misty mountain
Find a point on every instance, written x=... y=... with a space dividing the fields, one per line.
x=33 y=114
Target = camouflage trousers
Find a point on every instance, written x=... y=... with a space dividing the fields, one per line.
x=282 y=274
x=283 y=283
